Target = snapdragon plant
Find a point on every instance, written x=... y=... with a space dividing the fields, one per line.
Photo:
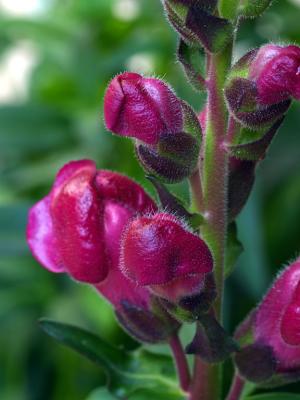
x=164 y=264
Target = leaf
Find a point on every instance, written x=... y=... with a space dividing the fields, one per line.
x=140 y=394
x=275 y=396
x=234 y=249
x=101 y=394
x=126 y=371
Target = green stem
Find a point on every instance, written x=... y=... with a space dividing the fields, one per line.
x=214 y=176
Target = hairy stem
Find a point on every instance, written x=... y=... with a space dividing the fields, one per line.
x=236 y=389
x=196 y=191
x=181 y=362
x=207 y=379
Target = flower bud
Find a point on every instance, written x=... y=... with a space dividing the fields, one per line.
x=195 y=22
x=166 y=129
x=274 y=328
x=276 y=72
x=159 y=253
x=262 y=83
x=143 y=108
x=75 y=229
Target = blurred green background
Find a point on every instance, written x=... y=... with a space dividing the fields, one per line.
x=56 y=58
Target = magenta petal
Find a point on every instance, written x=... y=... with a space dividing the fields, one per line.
x=77 y=213
x=116 y=288
x=157 y=250
x=68 y=170
x=41 y=238
x=143 y=108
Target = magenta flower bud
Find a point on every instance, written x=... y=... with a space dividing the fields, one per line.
x=276 y=71
x=277 y=319
x=160 y=253
x=76 y=228
x=143 y=108
x=274 y=329
x=166 y=130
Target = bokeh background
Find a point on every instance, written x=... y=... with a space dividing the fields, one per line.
x=56 y=58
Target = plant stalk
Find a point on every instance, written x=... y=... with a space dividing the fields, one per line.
x=236 y=389
x=181 y=362
x=207 y=381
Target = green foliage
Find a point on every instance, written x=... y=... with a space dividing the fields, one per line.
x=126 y=372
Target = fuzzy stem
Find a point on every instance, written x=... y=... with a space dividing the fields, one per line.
x=181 y=362
x=196 y=191
x=236 y=389
x=207 y=381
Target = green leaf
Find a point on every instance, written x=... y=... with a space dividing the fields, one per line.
x=101 y=394
x=234 y=249
x=140 y=394
x=275 y=396
x=253 y=8
x=126 y=371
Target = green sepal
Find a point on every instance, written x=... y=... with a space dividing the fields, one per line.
x=228 y=8
x=234 y=249
x=253 y=145
x=126 y=372
x=198 y=26
x=192 y=59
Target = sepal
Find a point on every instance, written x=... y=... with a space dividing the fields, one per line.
x=192 y=60
x=241 y=97
x=197 y=25
x=256 y=363
x=234 y=248
x=211 y=342
x=241 y=181
x=175 y=156
x=191 y=307
x=252 y=146
x=147 y=326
